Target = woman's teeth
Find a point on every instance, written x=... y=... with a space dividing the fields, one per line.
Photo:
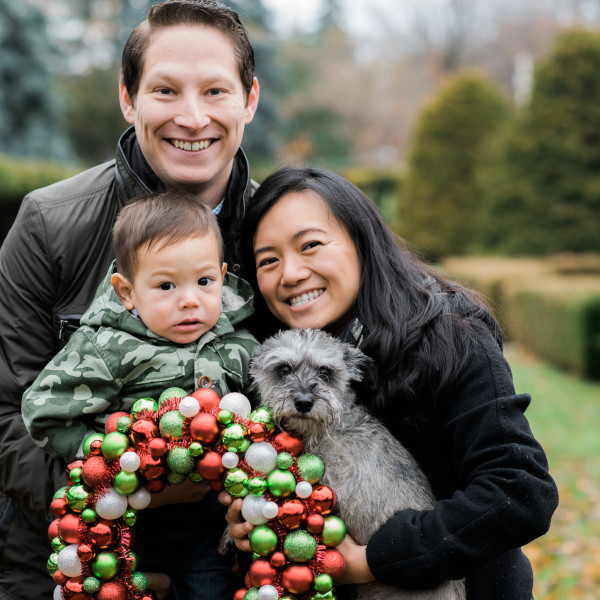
x=299 y=300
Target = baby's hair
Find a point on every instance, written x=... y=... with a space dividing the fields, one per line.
x=163 y=218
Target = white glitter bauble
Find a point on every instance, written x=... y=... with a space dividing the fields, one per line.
x=237 y=403
x=129 y=461
x=262 y=457
x=68 y=562
x=252 y=509
x=303 y=489
x=58 y=595
x=230 y=460
x=270 y=510
x=111 y=505
x=267 y=592
x=189 y=406
x=140 y=499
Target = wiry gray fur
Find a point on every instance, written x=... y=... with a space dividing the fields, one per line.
x=305 y=376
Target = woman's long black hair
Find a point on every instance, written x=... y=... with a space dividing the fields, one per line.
x=417 y=325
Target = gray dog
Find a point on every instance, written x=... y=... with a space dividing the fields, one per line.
x=306 y=377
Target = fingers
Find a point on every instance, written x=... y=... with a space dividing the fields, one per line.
x=160 y=584
x=225 y=498
x=238 y=528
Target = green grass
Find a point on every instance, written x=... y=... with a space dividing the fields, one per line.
x=565 y=418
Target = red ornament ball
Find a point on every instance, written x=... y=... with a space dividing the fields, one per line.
x=207 y=398
x=210 y=465
x=315 y=523
x=157 y=447
x=111 y=423
x=59 y=507
x=291 y=513
x=96 y=471
x=151 y=467
x=53 y=529
x=289 y=443
x=85 y=552
x=333 y=563
x=297 y=578
x=101 y=534
x=258 y=432
x=143 y=431
x=261 y=572
x=278 y=559
x=155 y=485
x=239 y=594
x=112 y=590
x=73 y=585
x=68 y=528
x=204 y=428
x=95 y=448
x=323 y=498
x=59 y=577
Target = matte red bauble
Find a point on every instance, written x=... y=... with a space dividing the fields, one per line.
x=59 y=507
x=261 y=572
x=207 y=398
x=59 y=577
x=53 y=529
x=111 y=423
x=297 y=578
x=315 y=523
x=155 y=485
x=278 y=559
x=210 y=465
x=68 y=528
x=157 y=447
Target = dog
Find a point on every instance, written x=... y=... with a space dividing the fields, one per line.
x=307 y=378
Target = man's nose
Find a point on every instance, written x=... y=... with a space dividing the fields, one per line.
x=192 y=113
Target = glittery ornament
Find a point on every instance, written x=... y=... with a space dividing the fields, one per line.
x=140 y=499
x=299 y=545
x=139 y=582
x=235 y=483
x=297 y=578
x=195 y=477
x=334 y=531
x=91 y=585
x=285 y=460
x=323 y=583
x=101 y=534
x=114 y=444
x=176 y=478
x=170 y=394
x=68 y=528
x=68 y=561
x=291 y=514
x=303 y=489
x=210 y=465
x=333 y=563
x=263 y=540
x=111 y=505
x=207 y=397
x=268 y=592
x=261 y=572
x=323 y=499
x=112 y=590
x=179 y=460
x=230 y=460
x=143 y=404
x=204 y=428
x=311 y=467
x=171 y=425
x=281 y=483
x=124 y=424
x=57 y=594
x=252 y=508
x=262 y=457
x=270 y=510
x=89 y=440
x=105 y=565
x=289 y=442
x=257 y=486
x=95 y=471
x=251 y=594
x=237 y=403
x=129 y=461
x=61 y=492
x=315 y=523
x=111 y=422
x=189 y=406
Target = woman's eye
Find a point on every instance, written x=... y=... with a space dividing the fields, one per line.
x=324 y=373
x=310 y=245
x=283 y=370
x=204 y=281
x=265 y=262
x=166 y=286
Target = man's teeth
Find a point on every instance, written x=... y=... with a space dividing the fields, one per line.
x=193 y=146
x=299 y=300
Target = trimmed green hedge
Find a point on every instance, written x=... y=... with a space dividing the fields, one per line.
x=554 y=314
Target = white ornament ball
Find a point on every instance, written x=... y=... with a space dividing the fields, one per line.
x=303 y=489
x=58 y=595
x=267 y=592
x=129 y=461
x=111 y=505
x=68 y=562
x=237 y=403
x=262 y=457
x=252 y=509
x=270 y=510
x=189 y=406
x=140 y=499
x=230 y=460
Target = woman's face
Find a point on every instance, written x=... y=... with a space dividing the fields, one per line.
x=307 y=265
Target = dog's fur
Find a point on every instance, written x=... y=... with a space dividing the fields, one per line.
x=306 y=377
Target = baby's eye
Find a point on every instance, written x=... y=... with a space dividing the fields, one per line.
x=324 y=373
x=166 y=286
x=204 y=281
x=283 y=370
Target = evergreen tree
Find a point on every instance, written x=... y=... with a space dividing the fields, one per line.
x=440 y=200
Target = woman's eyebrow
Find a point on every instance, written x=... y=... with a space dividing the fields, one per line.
x=295 y=237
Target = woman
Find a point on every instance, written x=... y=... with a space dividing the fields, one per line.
x=324 y=258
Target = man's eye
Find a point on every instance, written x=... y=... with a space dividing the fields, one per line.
x=283 y=370
x=324 y=373
x=166 y=286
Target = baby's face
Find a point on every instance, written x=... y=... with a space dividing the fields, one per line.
x=177 y=289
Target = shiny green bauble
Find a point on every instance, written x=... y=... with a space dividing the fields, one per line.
x=256 y=486
x=225 y=417
x=88 y=515
x=52 y=564
x=126 y=483
x=91 y=585
x=77 y=496
x=334 y=531
x=105 y=565
x=139 y=582
x=196 y=449
x=281 y=483
x=234 y=437
x=263 y=540
x=299 y=545
x=171 y=425
x=179 y=460
x=170 y=393
x=311 y=467
x=75 y=475
x=263 y=415
x=236 y=483
x=57 y=544
x=87 y=443
x=130 y=516
x=195 y=477
x=323 y=583
x=114 y=444
x=143 y=404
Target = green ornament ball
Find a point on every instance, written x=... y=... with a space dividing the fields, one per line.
x=176 y=478
x=52 y=564
x=91 y=585
x=281 y=483
x=334 y=531
x=87 y=443
x=285 y=460
x=236 y=483
x=233 y=437
x=251 y=594
x=106 y=565
x=263 y=540
x=262 y=414
x=256 y=486
x=126 y=483
x=224 y=416
x=179 y=460
x=330 y=595
x=311 y=467
x=143 y=404
x=299 y=545
x=124 y=424
x=114 y=444
x=195 y=477
x=75 y=475
x=130 y=516
x=77 y=496
x=60 y=493
x=172 y=392
x=196 y=448
x=171 y=425
x=139 y=582
x=88 y=515
x=57 y=544
x=323 y=583
x=134 y=561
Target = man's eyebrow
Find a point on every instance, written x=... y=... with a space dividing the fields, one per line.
x=296 y=236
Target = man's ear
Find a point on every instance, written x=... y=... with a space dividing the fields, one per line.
x=224 y=269
x=124 y=289
x=126 y=104
x=252 y=103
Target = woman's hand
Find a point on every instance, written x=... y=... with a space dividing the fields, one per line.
x=160 y=583
x=188 y=491
x=357 y=568
x=238 y=528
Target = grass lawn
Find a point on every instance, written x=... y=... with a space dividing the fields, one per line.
x=565 y=418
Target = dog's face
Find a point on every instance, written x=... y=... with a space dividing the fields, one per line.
x=305 y=376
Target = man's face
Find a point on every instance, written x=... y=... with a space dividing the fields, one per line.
x=190 y=109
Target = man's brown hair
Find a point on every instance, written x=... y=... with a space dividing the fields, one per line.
x=163 y=218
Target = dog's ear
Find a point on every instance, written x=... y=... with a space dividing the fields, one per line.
x=362 y=368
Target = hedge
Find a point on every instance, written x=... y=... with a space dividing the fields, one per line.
x=556 y=315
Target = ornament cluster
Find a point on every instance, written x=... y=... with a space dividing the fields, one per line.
x=200 y=437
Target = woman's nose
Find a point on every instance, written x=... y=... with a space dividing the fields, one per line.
x=293 y=270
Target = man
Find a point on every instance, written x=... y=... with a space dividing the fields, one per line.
x=188 y=88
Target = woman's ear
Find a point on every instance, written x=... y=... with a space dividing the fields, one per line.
x=124 y=290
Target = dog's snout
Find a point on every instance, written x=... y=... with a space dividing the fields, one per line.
x=303 y=403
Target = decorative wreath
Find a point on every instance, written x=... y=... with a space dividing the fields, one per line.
x=201 y=437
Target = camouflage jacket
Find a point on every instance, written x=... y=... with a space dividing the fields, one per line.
x=114 y=359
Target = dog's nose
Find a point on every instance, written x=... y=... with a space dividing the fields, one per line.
x=303 y=403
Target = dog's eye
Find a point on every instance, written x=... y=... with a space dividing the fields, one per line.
x=324 y=373
x=283 y=370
